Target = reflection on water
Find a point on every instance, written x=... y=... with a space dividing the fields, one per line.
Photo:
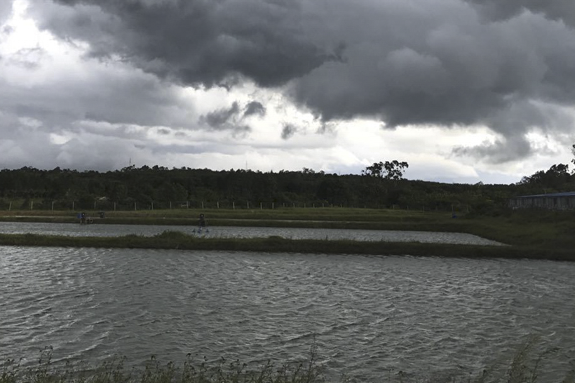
x=368 y=315
x=244 y=232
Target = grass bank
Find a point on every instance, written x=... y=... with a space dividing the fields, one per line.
x=275 y=244
x=529 y=233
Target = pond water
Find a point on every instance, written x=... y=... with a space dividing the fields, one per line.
x=371 y=317
x=245 y=232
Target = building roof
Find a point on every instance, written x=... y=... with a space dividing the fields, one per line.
x=549 y=195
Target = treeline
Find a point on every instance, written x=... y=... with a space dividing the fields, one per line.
x=160 y=187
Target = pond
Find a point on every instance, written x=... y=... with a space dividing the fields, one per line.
x=371 y=317
x=245 y=232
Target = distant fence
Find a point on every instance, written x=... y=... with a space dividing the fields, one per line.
x=249 y=205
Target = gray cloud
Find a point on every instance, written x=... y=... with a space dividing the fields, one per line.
x=255 y=108
x=226 y=119
x=27 y=142
x=563 y=10
x=220 y=119
x=513 y=123
x=29 y=58
x=288 y=131
x=196 y=42
x=99 y=112
x=5 y=10
x=164 y=132
x=116 y=98
x=498 y=152
x=441 y=62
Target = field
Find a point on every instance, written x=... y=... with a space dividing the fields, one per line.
x=527 y=233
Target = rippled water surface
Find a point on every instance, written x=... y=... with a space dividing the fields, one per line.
x=243 y=232
x=370 y=316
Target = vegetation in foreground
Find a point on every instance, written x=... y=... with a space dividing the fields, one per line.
x=526 y=365
x=114 y=371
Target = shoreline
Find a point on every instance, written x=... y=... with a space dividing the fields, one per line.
x=173 y=240
x=544 y=235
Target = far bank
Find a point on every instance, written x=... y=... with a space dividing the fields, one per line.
x=276 y=244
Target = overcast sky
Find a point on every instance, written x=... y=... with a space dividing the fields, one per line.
x=462 y=90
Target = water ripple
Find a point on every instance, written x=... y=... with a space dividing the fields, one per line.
x=369 y=316
x=75 y=230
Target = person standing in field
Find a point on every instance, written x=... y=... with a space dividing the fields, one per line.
x=202 y=222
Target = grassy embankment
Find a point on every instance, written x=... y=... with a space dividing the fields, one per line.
x=528 y=234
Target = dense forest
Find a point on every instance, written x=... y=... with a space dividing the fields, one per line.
x=379 y=186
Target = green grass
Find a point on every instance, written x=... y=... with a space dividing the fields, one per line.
x=190 y=371
x=530 y=233
x=298 y=214
x=275 y=244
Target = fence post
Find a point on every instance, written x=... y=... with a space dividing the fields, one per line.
x=31 y=205
x=135 y=208
x=233 y=205
x=10 y=206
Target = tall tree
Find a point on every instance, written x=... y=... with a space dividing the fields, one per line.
x=391 y=170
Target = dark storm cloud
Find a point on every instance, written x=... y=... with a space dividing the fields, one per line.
x=221 y=118
x=418 y=62
x=226 y=119
x=255 y=108
x=202 y=42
